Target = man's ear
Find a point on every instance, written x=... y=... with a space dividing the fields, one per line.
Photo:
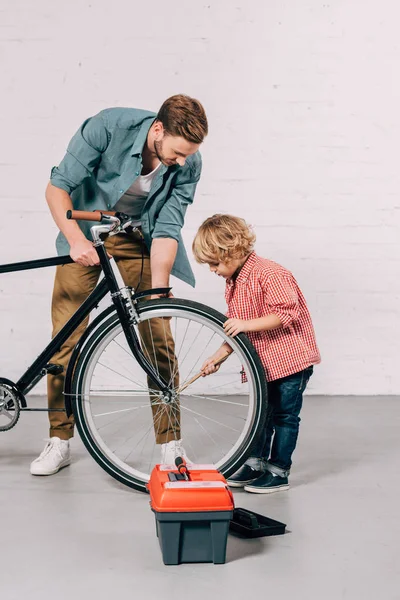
x=158 y=129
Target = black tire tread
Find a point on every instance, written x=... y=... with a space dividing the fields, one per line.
x=110 y=318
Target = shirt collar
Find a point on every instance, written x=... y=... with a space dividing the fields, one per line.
x=246 y=269
x=141 y=137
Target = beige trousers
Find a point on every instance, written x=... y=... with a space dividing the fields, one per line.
x=73 y=284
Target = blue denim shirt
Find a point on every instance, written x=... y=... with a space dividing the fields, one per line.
x=104 y=158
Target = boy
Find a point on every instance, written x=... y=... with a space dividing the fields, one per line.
x=265 y=302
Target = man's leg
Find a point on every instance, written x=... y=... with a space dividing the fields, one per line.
x=156 y=337
x=73 y=284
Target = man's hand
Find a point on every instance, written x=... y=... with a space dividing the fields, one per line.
x=82 y=250
x=84 y=253
x=234 y=326
x=155 y=296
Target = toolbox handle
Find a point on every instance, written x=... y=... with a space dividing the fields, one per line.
x=231 y=496
x=246 y=517
x=194 y=485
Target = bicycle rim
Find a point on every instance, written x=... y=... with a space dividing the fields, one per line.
x=121 y=419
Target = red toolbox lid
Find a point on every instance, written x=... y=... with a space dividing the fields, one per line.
x=206 y=491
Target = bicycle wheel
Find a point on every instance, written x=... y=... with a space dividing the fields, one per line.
x=121 y=418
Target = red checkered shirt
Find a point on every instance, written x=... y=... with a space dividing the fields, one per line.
x=262 y=288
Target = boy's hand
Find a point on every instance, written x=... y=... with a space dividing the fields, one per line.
x=209 y=367
x=234 y=326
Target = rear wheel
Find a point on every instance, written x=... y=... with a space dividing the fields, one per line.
x=121 y=417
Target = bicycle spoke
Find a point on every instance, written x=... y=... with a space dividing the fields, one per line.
x=7 y=414
x=113 y=412
x=207 y=433
x=210 y=419
x=144 y=388
x=129 y=353
x=217 y=400
x=123 y=417
x=154 y=350
x=202 y=353
x=167 y=347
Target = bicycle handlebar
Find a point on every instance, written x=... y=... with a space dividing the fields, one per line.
x=87 y=215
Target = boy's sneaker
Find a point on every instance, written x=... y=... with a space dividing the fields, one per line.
x=268 y=483
x=55 y=456
x=171 y=450
x=243 y=476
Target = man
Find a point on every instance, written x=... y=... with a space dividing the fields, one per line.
x=147 y=166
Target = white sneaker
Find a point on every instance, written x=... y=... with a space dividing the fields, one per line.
x=171 y=450
x=56 y=454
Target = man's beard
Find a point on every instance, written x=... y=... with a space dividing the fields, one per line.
x=158 y=149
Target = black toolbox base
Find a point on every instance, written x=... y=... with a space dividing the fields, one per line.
x=252 y=525
x=193 y=537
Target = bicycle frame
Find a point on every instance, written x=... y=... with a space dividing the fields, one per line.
x=38 y=369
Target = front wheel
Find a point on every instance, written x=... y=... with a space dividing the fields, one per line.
x=123 y=419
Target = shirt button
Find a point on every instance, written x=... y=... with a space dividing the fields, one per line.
x=108 y=205
x=137 y=172
x=121 y=191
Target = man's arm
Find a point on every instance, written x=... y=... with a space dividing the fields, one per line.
x=169 y=224
x=83 y=154
x=162 y=257
x=81 y=249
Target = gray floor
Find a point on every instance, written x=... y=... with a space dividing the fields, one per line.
x=80 y=535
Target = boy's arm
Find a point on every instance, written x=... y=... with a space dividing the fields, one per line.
x=283 y=305
x=234 y=326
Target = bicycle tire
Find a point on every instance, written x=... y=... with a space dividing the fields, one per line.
x=103 y=339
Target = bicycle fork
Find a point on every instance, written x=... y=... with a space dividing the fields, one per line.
x=128 y=317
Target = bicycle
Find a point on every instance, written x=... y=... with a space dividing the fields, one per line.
x=113 y=385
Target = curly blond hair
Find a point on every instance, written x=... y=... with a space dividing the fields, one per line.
x=222 y=238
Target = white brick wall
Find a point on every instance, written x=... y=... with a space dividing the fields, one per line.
x=303 y=103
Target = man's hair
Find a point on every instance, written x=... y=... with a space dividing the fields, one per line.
x=222 y=238
x=184 y=117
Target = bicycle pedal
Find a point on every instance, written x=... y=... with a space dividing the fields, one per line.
x=53 y=369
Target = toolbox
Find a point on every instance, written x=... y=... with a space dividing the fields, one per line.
x=192 y=513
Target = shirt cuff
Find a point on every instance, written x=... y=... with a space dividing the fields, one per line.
x=285 y=318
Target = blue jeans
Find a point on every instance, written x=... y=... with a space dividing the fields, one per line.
x=285 y=399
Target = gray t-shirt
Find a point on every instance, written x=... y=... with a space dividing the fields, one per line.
x=131 y=203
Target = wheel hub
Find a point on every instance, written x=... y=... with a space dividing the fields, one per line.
x=9 y=407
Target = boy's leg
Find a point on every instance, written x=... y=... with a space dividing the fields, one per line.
x=286 y=419
x=157 y=341
x=261 y=450
x=255 y=464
